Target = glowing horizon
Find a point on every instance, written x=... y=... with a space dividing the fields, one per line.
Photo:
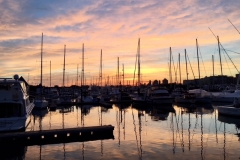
x=114 y=27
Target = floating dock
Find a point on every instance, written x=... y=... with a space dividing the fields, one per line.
x=58 y=135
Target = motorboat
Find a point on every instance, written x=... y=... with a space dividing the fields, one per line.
x=230 y=110
x=40 y=102
x=15 y=105
x=159 y=96
x=178 y=92
x=196 y=96
x=227 y=97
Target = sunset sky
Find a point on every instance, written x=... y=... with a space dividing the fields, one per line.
x=115 y=26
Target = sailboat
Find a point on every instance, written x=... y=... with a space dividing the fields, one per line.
x=139 y=99
x=231 y=92
x=40 y=101
x=195 y=96
x=84 y=97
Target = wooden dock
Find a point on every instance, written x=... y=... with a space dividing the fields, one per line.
x=58 y=135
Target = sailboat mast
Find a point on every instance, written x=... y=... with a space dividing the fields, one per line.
x=220 y=58
x=170 y=66
x=186 y=63
x=64 y=66
x=198 y=60
x=41 y=58
x=179 y=68
x=123 y=74
x=118 y=72
x=101 y=69
x=82 y=78
x=139 y=62
x=77 y=76
x=213 y=67
x=50 y=74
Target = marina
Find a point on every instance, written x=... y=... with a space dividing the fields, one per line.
x=122 y=80
x=187 y=132
x=157 y=123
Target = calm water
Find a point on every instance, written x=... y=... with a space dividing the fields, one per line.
x=192 y=132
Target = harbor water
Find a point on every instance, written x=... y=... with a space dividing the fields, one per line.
x=186 y=132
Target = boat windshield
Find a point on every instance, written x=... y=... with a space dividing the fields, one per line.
x=8 y=110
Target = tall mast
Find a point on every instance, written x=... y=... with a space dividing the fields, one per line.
x=186 y=66
x=198 y=60
x=82 y=78
x=101 y=69
x=170 y=66
x=186 y=63
x=123 y=74
x=50 y=74
x=64 y=66
x=77 y=76
x=179 y=68
x=213 y=67
x=118 y=72
x=41 y=59
x=136 y=61
x=139 y=62
x=220 y=58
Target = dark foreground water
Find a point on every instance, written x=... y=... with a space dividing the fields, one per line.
x=191 y=132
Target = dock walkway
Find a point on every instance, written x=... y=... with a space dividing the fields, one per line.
x=58 y=135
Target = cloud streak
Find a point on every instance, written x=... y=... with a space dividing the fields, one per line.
x=114 y=27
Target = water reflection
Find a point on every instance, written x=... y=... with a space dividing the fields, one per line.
x=39 y=115
x=183 y=131
x=197 y=108
x=138 y=137
x=158 y=114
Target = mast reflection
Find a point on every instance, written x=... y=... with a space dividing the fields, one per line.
x=39 y=114
x=139 y=142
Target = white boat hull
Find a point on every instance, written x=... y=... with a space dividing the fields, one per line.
x=15 y=123
x=40 y=104
x=231 y=111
